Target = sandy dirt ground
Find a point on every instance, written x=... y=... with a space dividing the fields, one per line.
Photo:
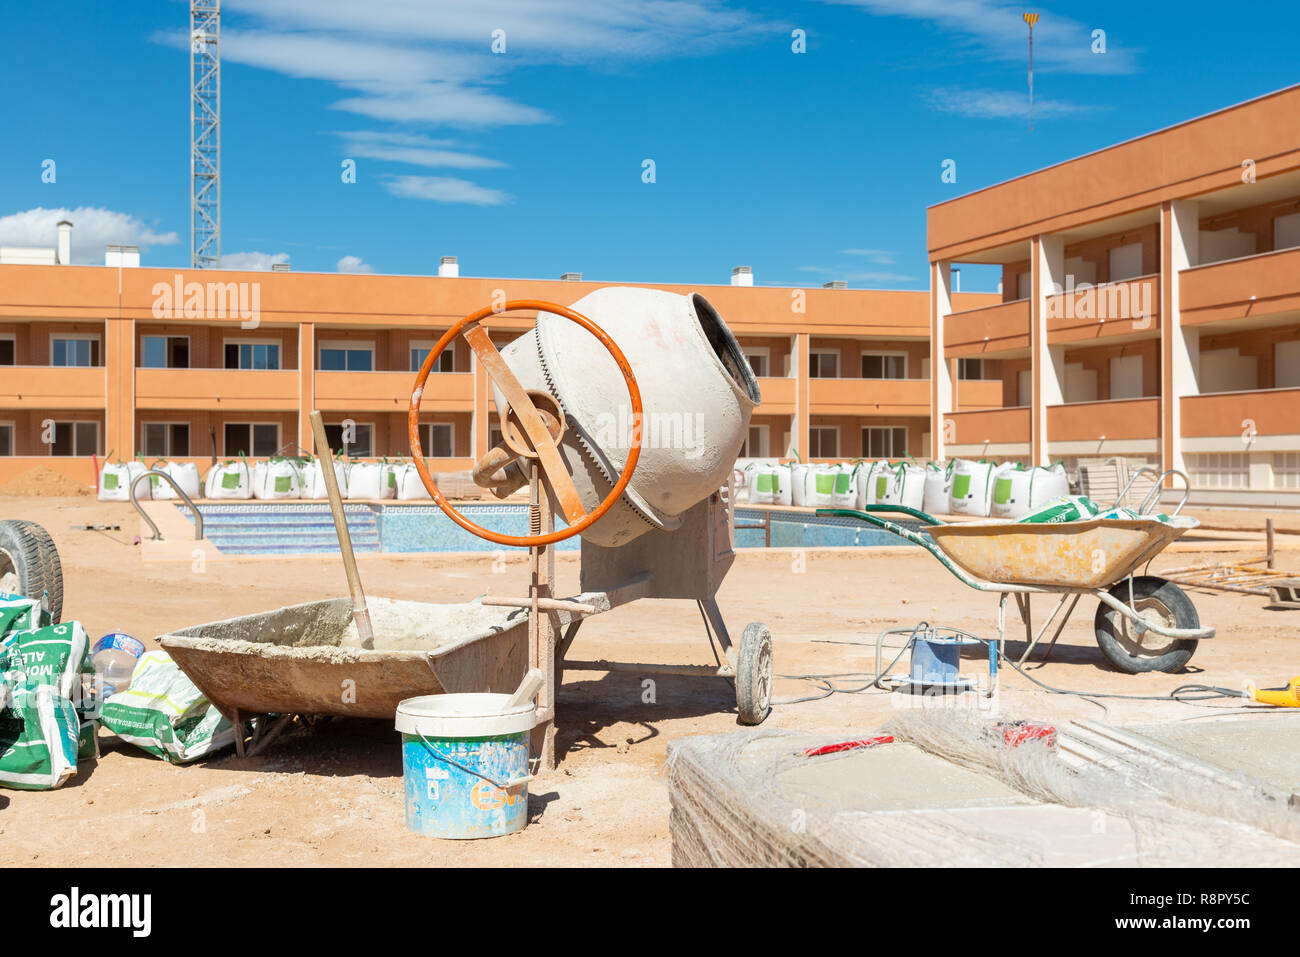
x=334 y=796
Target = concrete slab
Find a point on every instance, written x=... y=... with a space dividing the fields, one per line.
x=1263 y=747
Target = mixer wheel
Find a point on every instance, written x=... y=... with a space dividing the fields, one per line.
x=754 y=674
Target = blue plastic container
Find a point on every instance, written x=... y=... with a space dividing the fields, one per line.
x=465 y=764
x=936 y=660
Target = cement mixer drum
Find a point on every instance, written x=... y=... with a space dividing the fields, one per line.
x=697 y=389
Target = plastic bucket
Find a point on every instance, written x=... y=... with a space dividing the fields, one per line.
x=465 y=764
x=115 y=657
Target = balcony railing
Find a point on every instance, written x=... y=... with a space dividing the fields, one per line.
x=391 y=391
x=1108 y=419
x=1259 y=285
x=239 y=390
x=992 y=427
x=52 y=387
x=1104 y=310
x=870 y=396
x=1243 y=414
x=998 y=328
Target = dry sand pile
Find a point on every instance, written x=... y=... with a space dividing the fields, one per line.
x=43 y=482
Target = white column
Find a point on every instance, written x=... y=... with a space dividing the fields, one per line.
x=1180 y=348
x=1047 y=363
x=941 y=392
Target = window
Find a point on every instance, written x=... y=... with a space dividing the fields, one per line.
x=1286 y=469
x=1125 y=262
x=824 y=442
x=164 y=352
x=420 y=351
x=252 y=438
x=970 y=368
x=823 y=364
x=75 y=438
x=251 y=354
x=6 y=438
x=884 y=443
x=1218 y=469
x=1126 y=377
x=165 y=439
x=8 y=351
x=755 y=446
x=359 y=440
x=884 y=365
x=495 y=437
x=347 y=356
x=437 y=439
x=759 y=360
x=74 y=350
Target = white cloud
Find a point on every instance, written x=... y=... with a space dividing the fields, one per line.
x=882 y=256
x=354 y=264
x=93 y=228
x=445 y=189
x=252 y=260
x=413 y=150
x=994 y=29
x=999 y=104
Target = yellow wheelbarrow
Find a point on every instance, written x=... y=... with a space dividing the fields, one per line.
x=1143 y=622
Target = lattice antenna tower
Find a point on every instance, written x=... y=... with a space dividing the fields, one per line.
x=205 y=134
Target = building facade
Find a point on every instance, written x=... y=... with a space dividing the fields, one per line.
x=1150 y=306
x=190 y=364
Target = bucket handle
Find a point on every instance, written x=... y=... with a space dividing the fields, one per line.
x=505 y=786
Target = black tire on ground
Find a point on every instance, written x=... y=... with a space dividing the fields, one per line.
x=29 y=564
x=754 y=674
x=1155 y=599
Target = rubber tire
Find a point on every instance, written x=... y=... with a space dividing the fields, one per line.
x=27 y=548
x=1108 y=621
x=754 y=674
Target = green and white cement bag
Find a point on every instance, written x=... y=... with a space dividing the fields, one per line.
x=165 y=714
x=38 y=736
x=1068 y=508
x=58 y=656
x=18 y=613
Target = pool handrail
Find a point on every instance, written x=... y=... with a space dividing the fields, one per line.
x=157 y=535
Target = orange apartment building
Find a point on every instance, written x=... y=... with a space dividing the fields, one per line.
x=1150 y=306
x=98 y=360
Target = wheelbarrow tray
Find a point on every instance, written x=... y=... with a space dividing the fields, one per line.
x=291 y=660
x=1091 y=554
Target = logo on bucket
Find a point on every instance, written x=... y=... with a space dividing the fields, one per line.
x=488 y=797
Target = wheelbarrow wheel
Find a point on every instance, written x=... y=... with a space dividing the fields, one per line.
x=1158 y=601
x=754 y=674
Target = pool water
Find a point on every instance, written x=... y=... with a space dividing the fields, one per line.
x=295 y=528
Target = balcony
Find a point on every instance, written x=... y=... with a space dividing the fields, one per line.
x=391 y=391
x=1105 y=310
x=991 y=427
x=778 y=396
x=52 y=387
x=1252 y=286
x=973 y=394
x=1002 y=327
x=1112 y=419
x=236 y=390
x=1263 y=411
x=869 y=396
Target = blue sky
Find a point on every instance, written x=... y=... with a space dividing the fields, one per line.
x=806 y=166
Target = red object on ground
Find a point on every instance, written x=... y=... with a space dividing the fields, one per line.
x=848 y=745
x=1016 y=733
x=95 y=460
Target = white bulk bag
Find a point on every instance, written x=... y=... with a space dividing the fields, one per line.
x=232 y=479
x=313 y=480
x=818 y=485
x=276 y=478
x=371 y=480
x=184 y=474
x=865 y=481
x=1018 y=491
x=844 y=494
x=768 y=484
x=938 y=488
x=409 y=484
x=798 y=471
x=972 y=487
x=905 y=486
x=115 y=482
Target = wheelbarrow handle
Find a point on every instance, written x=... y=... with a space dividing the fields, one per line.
x=882 y=507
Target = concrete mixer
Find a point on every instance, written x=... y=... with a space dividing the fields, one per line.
x=623 y=415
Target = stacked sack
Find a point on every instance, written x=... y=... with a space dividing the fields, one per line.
x=115 y=480
x=184 y=474
x=230 y=479
x=47 y=706
x=769 y=484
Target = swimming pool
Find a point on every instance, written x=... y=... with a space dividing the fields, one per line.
x=295 y=528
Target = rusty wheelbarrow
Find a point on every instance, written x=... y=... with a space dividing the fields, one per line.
x=307 y=659
x=1143 y=622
